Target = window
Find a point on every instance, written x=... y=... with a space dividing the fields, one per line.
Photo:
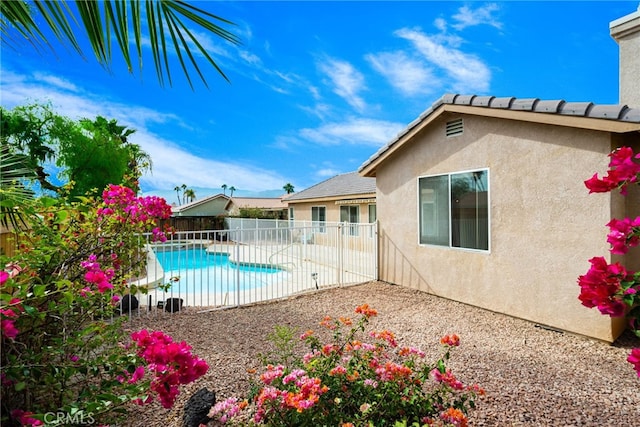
x=291 y=219
x=454 y=210
x=350 y=214
x=319 y=217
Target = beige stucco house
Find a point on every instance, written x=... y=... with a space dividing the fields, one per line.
x=481 y=199
x=273 y=207
x=347 y=197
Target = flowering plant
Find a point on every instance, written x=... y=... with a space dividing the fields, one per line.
x=611 y=288
x=358 y=378
x=63 y=346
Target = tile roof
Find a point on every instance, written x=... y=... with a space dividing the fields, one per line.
x=346 y=184
x=621 y=113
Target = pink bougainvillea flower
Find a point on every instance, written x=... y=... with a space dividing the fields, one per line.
x=624 y=170
x=634 y=359
x=624 y=234
x=601 y=287
x=9 y=328
x=24 y=418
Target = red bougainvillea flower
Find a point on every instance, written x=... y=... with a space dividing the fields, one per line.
x=601 y=287
x=634 y=359
x=624 y=170
x=624 y=234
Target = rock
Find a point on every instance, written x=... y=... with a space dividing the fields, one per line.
x=173 y=305
x=128 y=304
x=196 y=410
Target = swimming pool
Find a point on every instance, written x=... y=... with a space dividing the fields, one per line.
x=202 y=271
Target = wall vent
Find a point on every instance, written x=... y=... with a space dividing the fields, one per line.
x=454 y=128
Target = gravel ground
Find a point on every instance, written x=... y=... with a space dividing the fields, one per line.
x=533 y=376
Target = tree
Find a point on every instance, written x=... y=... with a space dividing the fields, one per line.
x=184 y=189
x=89 y=153
x=177 y=190
x=190 y=195
x=232 y=189
x=121 y=22
x=288 y=188
x=224 y=189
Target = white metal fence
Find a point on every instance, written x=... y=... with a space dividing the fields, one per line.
x=252 y=261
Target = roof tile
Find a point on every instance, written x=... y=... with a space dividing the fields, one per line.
x=482 y=101
x=607 y=111
x=630 y=115
x=576 y=108
x=549 y=106
x=502 y=102
x=340 y=185
x=464 y=99
x=524 y=104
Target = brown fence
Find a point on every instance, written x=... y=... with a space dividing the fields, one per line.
x=196 y=223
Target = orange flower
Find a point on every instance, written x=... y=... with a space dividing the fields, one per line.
x=455 y=417
x=366 y=311
x=450 y=340
x=346 y=321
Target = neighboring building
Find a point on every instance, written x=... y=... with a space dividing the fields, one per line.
x=348 y=197
x=268 y=207
x=215 y=205
x=223 y=205
x=481 y=199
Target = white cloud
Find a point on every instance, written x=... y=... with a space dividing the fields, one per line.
x=356 y=131
x=409 y=76
x=467 y=72
x=172 y=165
x=345 y=80
x=483 y=15
x=56 y=81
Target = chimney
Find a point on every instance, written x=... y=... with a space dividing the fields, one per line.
x=626 y=32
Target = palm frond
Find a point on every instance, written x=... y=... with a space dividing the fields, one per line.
x=166 y=25
x=14 y=172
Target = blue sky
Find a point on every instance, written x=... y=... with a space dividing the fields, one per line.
x=317 y=87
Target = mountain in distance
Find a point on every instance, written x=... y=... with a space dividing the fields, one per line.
x=172 y=198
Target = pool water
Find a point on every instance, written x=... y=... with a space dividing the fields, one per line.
x=202 y=271
x=200 y=258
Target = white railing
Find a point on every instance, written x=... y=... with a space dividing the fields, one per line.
x=255 y=261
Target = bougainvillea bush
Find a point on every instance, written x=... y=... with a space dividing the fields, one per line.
x=359 y=378
x=611 y=288
x=65 y=358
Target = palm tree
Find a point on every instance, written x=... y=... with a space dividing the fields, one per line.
x=224 y=189
x=177 y=190
x=190 y=195
x=166 y=30
x=288 y=188
x=232 y=189
x=184 y=189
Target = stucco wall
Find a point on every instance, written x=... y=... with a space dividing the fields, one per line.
x=302 y=210
x=544 y=226
x=210 y=208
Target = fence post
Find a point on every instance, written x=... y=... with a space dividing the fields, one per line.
x=237 y=251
